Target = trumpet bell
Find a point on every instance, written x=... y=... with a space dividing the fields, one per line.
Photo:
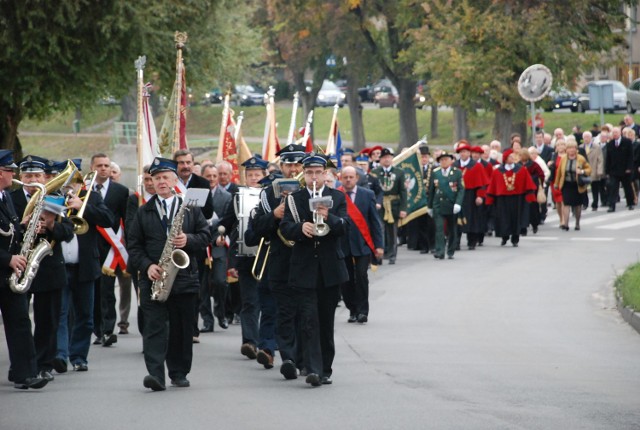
x=80 y=225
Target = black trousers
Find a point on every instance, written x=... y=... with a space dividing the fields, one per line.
x=213 y=286
x=614 y=190
x=355 y=292
x=17 y=329
x=328 y=298
x=390 y=240
x=46 y=317
x=168 y=332
x=108 y=304
x=298 y=326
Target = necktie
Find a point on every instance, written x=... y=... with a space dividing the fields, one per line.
x=28 y=196
x=165 y=218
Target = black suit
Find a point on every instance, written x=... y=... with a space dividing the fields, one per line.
x=167 y=342
x=619 y=167
x=14 y=307
x=105 y=299
x=78 y=292
x=46 y=288
x=317 y=270
x=546 y=153
x=355 y=291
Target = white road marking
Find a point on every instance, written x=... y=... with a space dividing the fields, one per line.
x=621 y=225
x=592 y=239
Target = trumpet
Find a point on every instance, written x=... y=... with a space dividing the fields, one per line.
x=320 y=228
x=80 y=225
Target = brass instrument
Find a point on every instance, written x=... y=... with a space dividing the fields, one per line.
x=259 y=253
x=63 y=180
x=171 y=259
x=20 y=282
x=80 y=225
x=320 y=228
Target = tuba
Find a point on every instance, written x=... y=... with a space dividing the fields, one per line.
x=21 y=282
x=62 y=181
x=171 y=260
x=80 y=225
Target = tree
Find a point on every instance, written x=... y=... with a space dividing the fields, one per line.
x=477 y=50
x=387 y=27
x=67 y=54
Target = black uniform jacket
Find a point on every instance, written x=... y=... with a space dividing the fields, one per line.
x=96 y=214
x=316 y=256
x=51 y=274
x=9 y=245
x=147 y=238
x=266 y=225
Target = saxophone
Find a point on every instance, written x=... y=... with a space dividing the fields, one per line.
x=171 y=260
x=21 y=282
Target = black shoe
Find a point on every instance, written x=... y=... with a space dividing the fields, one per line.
x=577 y=228
x=59 y=365
x=313 y=379
x=630 y=207
x=439 y=257
x=457 y=247
x=223 y=323
x=424 y=251
x=503 y=242
x=450 y=257
x=611 y=210
x=392 y=261
x=124 y=329
x=98 y=341
x=515 y=245
x=288 y=370
x=472 y=247
x=109 y=339
x=326 y=380
x=46 y=374
x=534 y=229
x=80 y=367
x=10 y=376
x=362 y=318
x=35 y=383
x=206 y=329
x=352 y=319
x=265 y=358
x=154 y=383
x=180 y=382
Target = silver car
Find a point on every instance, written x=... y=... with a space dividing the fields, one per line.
x=624 y=98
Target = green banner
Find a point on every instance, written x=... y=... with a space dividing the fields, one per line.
x=409 y=161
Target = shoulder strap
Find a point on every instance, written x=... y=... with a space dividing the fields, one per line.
x=294 y=209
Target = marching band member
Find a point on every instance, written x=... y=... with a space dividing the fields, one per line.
x=266 y=223
x=83 y=269
x=14 y=306
x=171 y=343
x=46 y=287
x=317 y=270
x=240 y=265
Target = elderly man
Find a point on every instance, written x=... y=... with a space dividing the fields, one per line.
x=596 y=161
x=168 y=325
x=619 y=167
x=362 y=242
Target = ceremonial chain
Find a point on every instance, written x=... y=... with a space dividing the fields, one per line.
x=509 y=181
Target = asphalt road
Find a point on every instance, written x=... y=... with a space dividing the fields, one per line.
x=499 y=338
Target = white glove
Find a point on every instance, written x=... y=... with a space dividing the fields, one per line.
x=456 y=208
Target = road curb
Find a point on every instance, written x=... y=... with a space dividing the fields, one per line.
x=628 y=314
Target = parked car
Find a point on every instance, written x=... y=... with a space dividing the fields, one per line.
x=330 y=95
x=561 y=99
x=215 y=96
x=248 y=95
x=623 y=98
x=386 y=96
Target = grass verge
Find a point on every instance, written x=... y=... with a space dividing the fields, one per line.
x=628 y=285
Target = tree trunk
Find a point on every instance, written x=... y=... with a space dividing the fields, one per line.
x=502 y=126
x=355 y=112
x=460 y=123
x=9 y=130
x=129 y=104
x=434 y=121
x=407 y=111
